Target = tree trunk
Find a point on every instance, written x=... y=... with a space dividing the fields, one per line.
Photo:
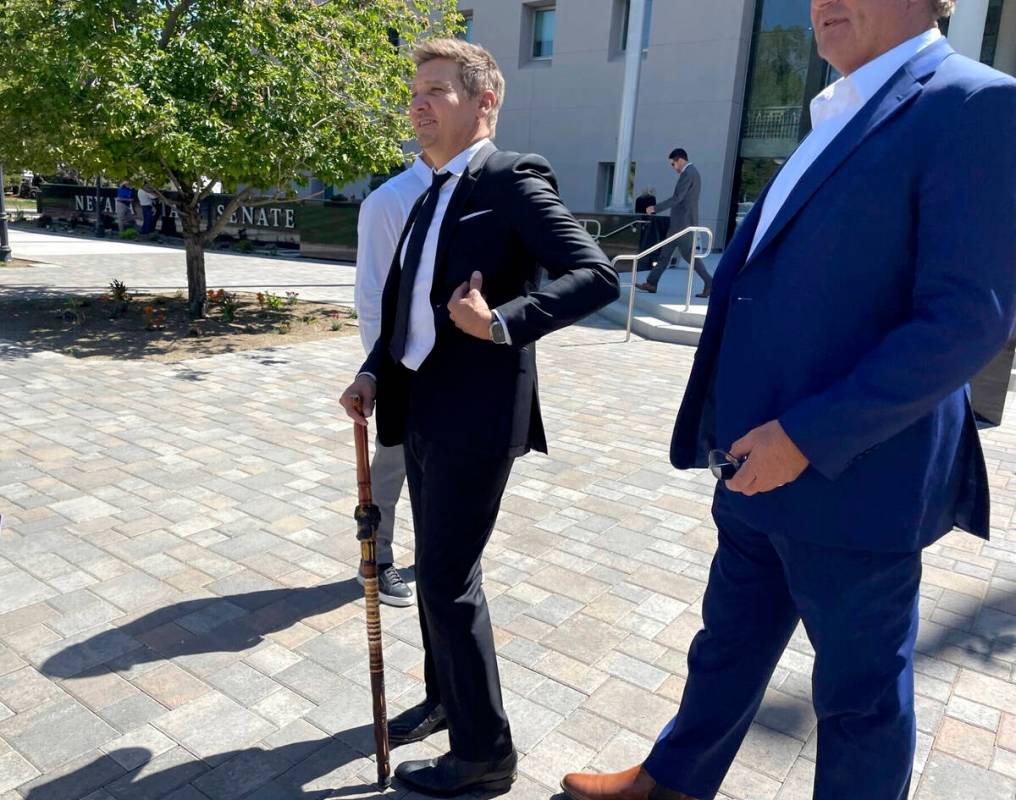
x=197 y=289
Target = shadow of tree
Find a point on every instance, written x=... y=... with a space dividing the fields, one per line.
x=210 y=625
x=304 y=770
x=984 y=631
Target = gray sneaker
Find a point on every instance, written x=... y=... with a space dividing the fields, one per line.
x=391 y=589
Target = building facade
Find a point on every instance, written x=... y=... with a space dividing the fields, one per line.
x=728 y=80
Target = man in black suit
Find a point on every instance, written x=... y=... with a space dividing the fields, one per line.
x=454 y=375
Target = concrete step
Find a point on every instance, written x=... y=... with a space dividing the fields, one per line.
x=662 y=316
x=650 y=326
x=667 y=309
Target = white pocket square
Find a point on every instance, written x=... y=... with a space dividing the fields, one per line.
x=475 y=214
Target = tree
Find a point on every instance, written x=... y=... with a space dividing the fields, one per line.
x=257 y=94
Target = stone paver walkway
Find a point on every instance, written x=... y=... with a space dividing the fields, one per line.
x=179 y=616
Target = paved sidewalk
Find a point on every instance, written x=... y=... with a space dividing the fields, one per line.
x=179 y=616
x=86 y=265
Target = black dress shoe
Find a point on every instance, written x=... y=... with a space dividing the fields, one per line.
x=448 y=775
x=416 y=723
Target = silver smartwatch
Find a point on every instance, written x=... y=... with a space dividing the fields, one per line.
x=497 y=331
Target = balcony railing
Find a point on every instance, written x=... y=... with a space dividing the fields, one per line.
x=773 y=122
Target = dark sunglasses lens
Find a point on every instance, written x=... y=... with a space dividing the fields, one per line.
x=721 y=465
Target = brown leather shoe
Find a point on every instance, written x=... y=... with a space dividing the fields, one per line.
x=646 y=287
x=632 y=784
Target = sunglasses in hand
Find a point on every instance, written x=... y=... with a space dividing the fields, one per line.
x=723 y=465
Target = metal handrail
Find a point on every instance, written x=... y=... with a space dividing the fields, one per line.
x=695 y=231
x=586 y=222
x=600 y=235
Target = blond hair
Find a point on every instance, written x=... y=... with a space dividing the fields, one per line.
x=943 y=8
x=478 y=71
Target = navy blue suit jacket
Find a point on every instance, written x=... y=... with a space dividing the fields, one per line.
x=884 y=284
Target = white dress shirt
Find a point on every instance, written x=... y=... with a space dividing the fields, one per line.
x=383 y=215
x=421 y=334
x=831 y=111
x=145 y=199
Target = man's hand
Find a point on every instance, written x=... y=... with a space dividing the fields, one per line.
x=773 y=460
x=650 y=209
x=469 y=310
x=358 y=399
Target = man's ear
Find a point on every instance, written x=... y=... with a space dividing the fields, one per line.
x=487 y=101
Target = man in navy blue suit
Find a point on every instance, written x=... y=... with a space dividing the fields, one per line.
x=872 y=279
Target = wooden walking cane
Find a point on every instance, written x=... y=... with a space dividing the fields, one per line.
x=368 y=518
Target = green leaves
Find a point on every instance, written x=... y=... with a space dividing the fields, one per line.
x=258 y=93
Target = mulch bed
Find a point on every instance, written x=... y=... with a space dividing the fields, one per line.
x=158 y=327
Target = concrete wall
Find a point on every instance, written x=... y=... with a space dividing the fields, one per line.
x=691 y=93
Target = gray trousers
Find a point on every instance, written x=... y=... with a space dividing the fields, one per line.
x=124 y=215
x=683 y=246
x=387 y=474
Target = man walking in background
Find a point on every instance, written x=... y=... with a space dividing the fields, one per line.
x=837 y=378
x=684 y=213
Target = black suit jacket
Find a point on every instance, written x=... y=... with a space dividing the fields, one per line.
x=506 y=220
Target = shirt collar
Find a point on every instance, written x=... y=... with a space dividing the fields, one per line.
x=421 y=169
x=851 y=92
x=458 y=164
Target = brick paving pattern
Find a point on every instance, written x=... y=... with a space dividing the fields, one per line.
x=179 y=616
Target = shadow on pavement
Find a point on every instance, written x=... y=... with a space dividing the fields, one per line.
x=984 y=631
x=305 y=770
x=209 y=625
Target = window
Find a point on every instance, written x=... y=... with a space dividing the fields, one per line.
x=784 y=73
x=543 y=32
x=992 y=24
x=536 y=39
x=605 y=185
x=466 y=34
x=622 y=43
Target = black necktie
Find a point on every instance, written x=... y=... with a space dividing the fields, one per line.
x=411 y=265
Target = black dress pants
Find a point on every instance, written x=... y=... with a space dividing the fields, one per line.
x=455 y=498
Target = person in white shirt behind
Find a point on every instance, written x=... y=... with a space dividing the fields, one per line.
x=147 y=202
x=383 y=215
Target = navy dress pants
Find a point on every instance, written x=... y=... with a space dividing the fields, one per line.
x=860 y=611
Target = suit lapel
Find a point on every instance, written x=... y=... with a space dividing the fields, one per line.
x=463 y=189
x=889 y=101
